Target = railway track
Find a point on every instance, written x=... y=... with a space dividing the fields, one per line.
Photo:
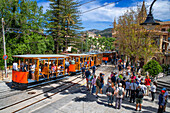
x=12 y=92
x=14 y=105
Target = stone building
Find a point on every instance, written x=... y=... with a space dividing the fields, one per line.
x=162 y=39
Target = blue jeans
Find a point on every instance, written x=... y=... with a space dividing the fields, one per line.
x=118 y=102
x=110 y=99
x=93 y=89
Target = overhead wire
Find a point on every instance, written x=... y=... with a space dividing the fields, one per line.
x=86 y=3
x=101 y=6
x=83 y=13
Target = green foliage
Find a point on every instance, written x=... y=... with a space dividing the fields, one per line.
x=73 y=50
x=168 y=30
x=64 y=22
x=103 y=43
x=133 y=40
x=153 y=67
x=29 y=18
x=165 y=67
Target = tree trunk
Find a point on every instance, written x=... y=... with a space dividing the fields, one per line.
x=56 y=46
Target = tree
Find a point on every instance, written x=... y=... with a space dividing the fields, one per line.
x=153 y=67
x=64 y=22
x=28 y=17
x=135 y=41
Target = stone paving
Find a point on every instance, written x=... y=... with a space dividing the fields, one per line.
x=78 y=100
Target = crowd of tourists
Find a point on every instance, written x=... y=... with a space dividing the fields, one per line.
x=125 y=83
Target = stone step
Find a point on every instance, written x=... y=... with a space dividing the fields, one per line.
x=167 y=88
x=163 y=82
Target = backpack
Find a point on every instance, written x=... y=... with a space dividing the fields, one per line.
x=120 y=92
x=109 y=91
x=140 y=94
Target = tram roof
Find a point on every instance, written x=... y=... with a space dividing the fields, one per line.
x=94 y=53
x=78 y=54
x=109 y=52
x=40 y=56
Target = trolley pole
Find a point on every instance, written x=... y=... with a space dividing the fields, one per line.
x=3 y=33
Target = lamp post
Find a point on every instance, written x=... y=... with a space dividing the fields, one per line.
x=150 y=23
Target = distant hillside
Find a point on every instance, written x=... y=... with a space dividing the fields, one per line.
x=94 y=30
x=106 y=32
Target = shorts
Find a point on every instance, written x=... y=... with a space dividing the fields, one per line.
x=102 y=85
x=139 y=100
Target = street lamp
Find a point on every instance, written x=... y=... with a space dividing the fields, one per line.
x=150 y=23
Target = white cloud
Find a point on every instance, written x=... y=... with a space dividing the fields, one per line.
x=161 y=10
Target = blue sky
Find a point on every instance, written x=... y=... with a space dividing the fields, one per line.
x=102 y=18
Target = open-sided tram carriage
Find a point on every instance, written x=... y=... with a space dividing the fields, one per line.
x=41 y=70
x=43 y=67
x=97 y=58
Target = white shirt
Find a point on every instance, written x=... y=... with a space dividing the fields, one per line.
x=15 y=66
x=153 y=88
x=144 y=88
x=127 y=77
x=127 y=85
x=133 y=86
x=116 y=75
x=117 y=91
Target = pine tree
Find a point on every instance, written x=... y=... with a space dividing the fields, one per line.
x=64 y=22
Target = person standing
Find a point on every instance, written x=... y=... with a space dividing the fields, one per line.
x=119 y=96
x=133 y=87
x=119 y=67
x=102 y=82
x=98 y=85
x=127 y=88
x=90 y=81
x=111 y=74
x=93 y=84
x=83 y=71
x=127 y=76
x=32 y=71
x=133 y=77
x=87 y=73
x=110 y=93
x=105 y=62
x=143 y=87
x=153 y=90
x=166 y=98
x=161 y=102
x=147 y=83
x=94 y=69
x=139 y=97
x=113 y=78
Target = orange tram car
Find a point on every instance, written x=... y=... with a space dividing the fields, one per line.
x=36 y=68
x=108 y=56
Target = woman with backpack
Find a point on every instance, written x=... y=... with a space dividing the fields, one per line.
x=110 y=93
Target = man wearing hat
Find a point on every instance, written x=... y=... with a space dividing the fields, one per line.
x=119 y=95
x=166 y=97
x=161 y=102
